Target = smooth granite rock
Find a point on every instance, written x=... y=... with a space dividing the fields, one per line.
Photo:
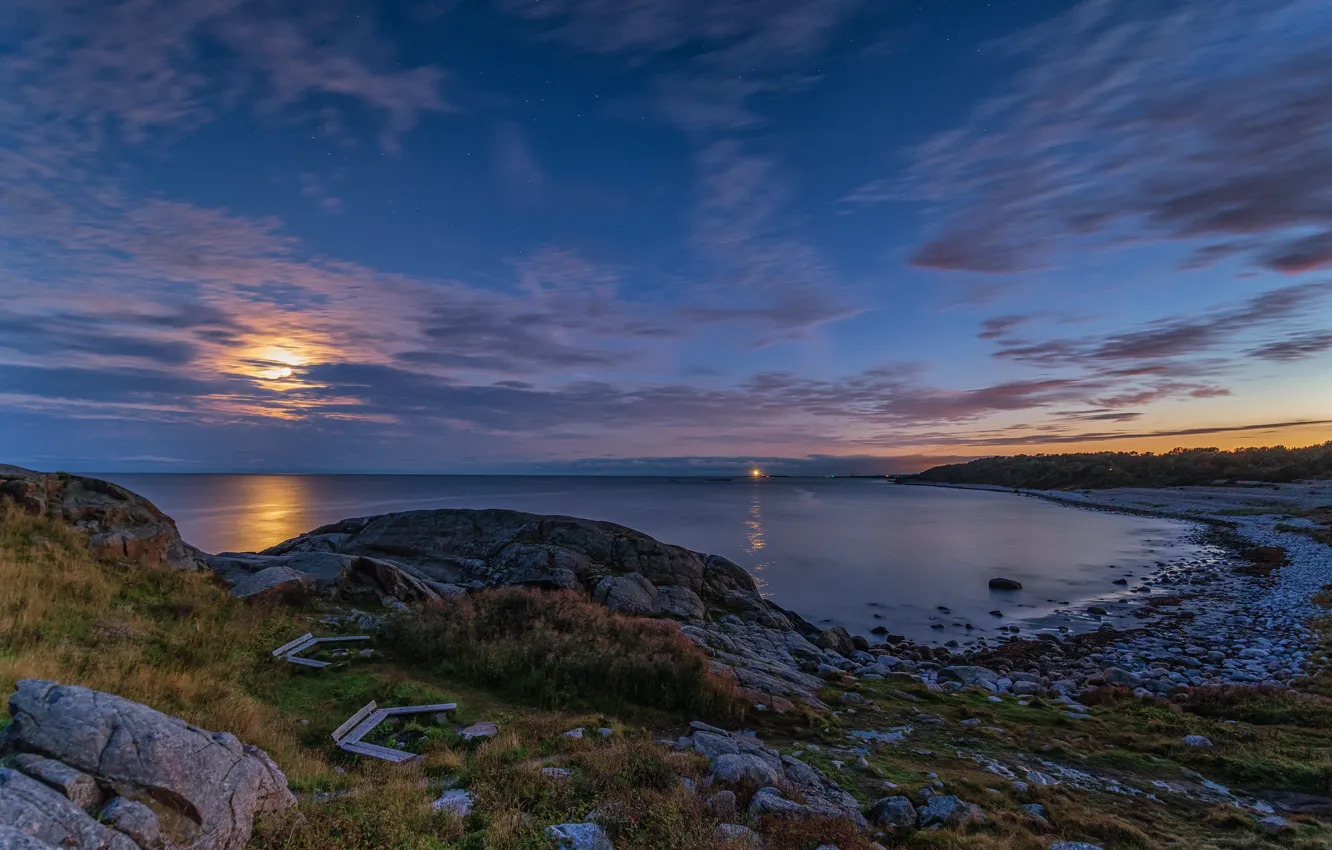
x=79 y=787
x=135 y=820
x=47 y=815
x=212 y=781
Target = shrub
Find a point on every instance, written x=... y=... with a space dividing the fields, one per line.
x=1179 y=467
x=562 y=651
x=1262 y=705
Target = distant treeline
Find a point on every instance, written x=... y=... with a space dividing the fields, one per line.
x=1179 y=467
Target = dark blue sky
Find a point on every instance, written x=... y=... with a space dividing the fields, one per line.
x=592 y=235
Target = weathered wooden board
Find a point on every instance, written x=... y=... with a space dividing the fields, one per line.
x=305 y=662
x=363 y=728
x=422 y=709
x=288 y=647
x=376 y=751
x=351 y=722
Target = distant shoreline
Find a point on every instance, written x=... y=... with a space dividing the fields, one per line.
x=1049 y=496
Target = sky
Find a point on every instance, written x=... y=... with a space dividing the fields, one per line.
x=666 y=236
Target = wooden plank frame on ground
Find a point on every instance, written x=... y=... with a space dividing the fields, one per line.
x=348 y=736
x=290 y=652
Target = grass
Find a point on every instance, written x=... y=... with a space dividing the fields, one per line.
x=169 y=639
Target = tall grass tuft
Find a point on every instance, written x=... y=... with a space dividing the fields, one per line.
x=561 y=651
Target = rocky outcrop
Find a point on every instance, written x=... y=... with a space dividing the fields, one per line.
x=167 y=780
x=418 y=555
x=119 y=524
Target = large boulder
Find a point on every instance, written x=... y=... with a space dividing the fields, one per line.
x=894 y=812
x=949 y=811
x=732 y=768
x=838 y=640
x=119 y=524
x=209 y=784
x=273 y=584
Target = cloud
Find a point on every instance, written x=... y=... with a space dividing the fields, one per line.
x=740 y=465
x=758 y=267
x=998 y=327
x=755 y=409
x=521 y=178
x=137 y=66
x=706 y=63
x=108 y=340
x=995 y=440
x=315 y=189
x=1143 y=122
x=1295 y=347
x=1180 y=337
x=193 y=292
x=720 y=56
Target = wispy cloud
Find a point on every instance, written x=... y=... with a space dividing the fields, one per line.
x=759 y=268
x=1163 y=121
x=91 y=69
x=521 y=178
x=1041 y=437
x=726 y=53
x=1173 y=339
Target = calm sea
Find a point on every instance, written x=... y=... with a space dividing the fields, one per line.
x=835 y=550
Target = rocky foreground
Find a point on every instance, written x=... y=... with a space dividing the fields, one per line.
x=1237 y=614
x=92 y=770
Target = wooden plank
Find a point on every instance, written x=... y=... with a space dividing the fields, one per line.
x=378 y=752
x=363 y=728
x=335 y=639
x=287 y=647
x=348 y=724
x=302 y=646
x=304 y=662
x=422 y=709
